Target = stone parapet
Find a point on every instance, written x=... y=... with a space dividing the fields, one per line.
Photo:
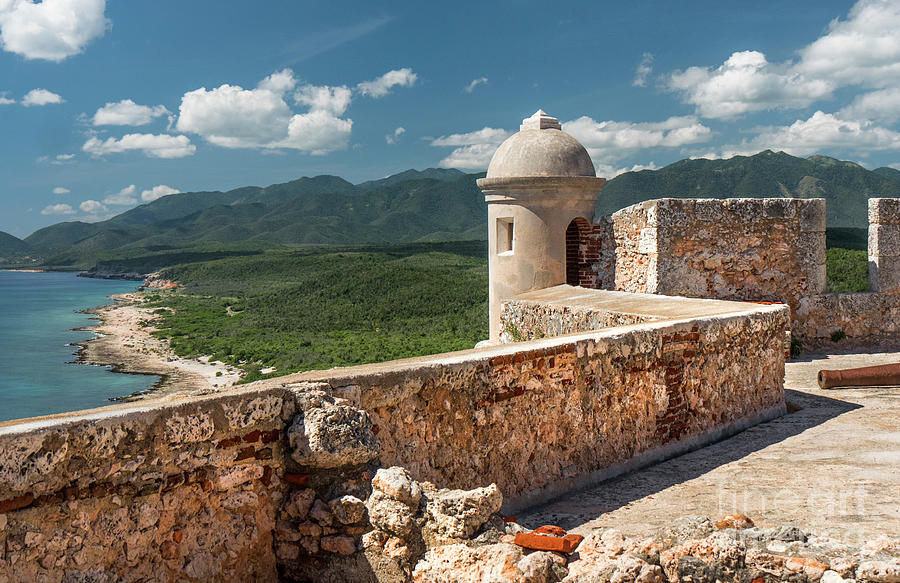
x=549 y=415
x=270 y=480
x=884 y=245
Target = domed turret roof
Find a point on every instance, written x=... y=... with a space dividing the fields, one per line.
x=540 y=148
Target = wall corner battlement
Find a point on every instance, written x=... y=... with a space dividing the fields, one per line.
x=884 y=245
x=757 y=249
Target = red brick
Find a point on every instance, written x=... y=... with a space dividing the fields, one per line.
x=540 y=542
x=264 y=453
x=267 y=476
x=230 y=442
x=245 y=453
x=252 y=437
x=270 y=436
x=296 y=479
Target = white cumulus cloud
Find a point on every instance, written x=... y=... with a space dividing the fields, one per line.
x=475 y=83
x=41 y=97
x=123 y=197
x=279 y=82
x=324 y=98
x=472 y=150
x=882 y=105
x=746 y=82
x=92 y=207
x=317 y=132
x=608 y=141
x=127 y=113
x=381 y=86
x=51 y=30
x=393 y=137
x=863 y=49
x=4 y=100
x=156 y=192
x=609 y=171
x=61 y=190
x=152 y=145
x=643 y=70
x=822 y=132
x=233 y=117
x=58 y=209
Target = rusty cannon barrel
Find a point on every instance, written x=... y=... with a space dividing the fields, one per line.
x=866 y=376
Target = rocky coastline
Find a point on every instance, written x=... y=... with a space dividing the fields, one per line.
x=124 y=341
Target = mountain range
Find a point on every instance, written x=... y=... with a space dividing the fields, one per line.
x=429 y=205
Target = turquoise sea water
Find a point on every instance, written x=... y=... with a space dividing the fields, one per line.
x=37 y=314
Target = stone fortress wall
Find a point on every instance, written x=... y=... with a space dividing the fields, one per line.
x=749 y=249
x=270 y=480
x=286 y=479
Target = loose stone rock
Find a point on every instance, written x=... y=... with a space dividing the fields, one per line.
x=878 y=572
x=458 y=514
x=299 y=503
x=348 y=509
x=342 y=545
x=332 y=436
x=321 y=513
x=396 y=483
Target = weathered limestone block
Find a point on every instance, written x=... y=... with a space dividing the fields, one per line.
x=396 y=483
x=329 y=435
x=348 y=509
x=298 y=503
x=498 y=563
x=812 y=215
x=391 y=516
x=453 y=515
x=884 y=241
x=879 y=571
x=884 y=211
x=409 y=518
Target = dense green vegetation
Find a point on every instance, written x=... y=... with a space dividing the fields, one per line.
x=301 y=309
x=848 y=270
x=13 y=250
x=318 y=308
x=847 y=238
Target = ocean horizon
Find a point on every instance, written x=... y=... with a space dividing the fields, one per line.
x=39 y=316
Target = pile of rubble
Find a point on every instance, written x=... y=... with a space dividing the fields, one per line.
x=429 y=535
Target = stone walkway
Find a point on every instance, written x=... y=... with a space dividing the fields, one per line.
x=831 y=468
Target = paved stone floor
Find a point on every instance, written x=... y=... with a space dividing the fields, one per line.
x=830 y=468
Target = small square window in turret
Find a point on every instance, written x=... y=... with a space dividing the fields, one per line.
x=505 y=236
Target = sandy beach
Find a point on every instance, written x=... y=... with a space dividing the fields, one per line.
x=125 y=342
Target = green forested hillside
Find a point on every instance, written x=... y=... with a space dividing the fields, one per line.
x=429 y=205
x=304 y=309
x=846 y=185
x=887 y=172
x=12 y=248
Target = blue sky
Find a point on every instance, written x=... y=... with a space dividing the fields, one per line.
x=104 y=105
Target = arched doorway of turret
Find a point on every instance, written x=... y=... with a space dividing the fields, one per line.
x=575 y=232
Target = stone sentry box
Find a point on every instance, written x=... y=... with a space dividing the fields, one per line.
x=538 y=182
